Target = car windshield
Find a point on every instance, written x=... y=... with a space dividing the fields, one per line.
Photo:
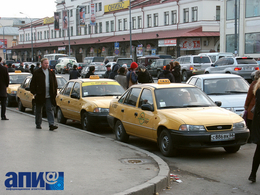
x=181 y=98
x=98 y=59
x=17 y=78
x=225 y=86
x=125 y=61
x=101 y=90
x=61 y=82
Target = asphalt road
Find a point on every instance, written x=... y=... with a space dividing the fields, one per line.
x=202 y=172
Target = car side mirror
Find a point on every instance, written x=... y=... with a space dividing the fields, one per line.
x=147 y=107
x=218 y=103
x=74 y=95
x=212 y=65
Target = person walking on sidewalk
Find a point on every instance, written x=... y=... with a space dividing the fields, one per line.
x=255 y=132
x=4 y=82
x=44 y=88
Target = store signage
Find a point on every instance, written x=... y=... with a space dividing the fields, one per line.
x=61 y=48
x=117 y=6
x=190 y=44
x=92 y=15
x=139 y=51
x=48 y=20
x=3 y=43
x=148 y=47
x=167 y=42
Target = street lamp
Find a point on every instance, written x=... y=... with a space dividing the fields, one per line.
x=31 y=34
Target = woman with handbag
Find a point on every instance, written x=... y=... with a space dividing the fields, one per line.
x=249 y=104
x=255 y=132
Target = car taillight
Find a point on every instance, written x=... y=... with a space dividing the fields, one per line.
x=256 y=68
x=237 y=69
x=191 y=67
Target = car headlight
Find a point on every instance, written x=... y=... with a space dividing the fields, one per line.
x=101 y=110
x=230 y=109
x=239 y=126
x=13 y=92
x=192 y=128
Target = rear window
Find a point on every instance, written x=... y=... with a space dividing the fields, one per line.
x=246 y=61
x=201 y=59
x=101 y=59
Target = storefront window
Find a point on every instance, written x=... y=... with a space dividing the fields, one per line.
x=252 y=8
x=252 y=43
x=230 y=43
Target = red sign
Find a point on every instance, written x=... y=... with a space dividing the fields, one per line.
x=148 y=47
x=3 y=43
x=190 y=44
x=170 y=42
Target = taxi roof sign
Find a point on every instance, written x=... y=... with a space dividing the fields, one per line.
x=94 y=77
x=17 y=71
x=163 y=81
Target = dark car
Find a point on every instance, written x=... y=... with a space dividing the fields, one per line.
x=156 y=67
x=52 y=64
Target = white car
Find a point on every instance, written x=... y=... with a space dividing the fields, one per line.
x=230 y=89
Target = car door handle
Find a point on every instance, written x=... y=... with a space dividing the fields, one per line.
x=68 y=101
x=24 y=93
x=136 y=114
x=61 y=99
x=122 y=110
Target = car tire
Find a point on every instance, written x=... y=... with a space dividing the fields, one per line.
x=158 y=73
x=120 y=132
x=166 y=144
x=184 y=76
x=85 y=122
x=206 y=72
x=60 y=117
x=232 y=149
x=62 y=71
x=8 y=103
x=20 y=106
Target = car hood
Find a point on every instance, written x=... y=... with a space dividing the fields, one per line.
x=234 y=100
x=203 y=116
x=13 y=87
x=101 y=102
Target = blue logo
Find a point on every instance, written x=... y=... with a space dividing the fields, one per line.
x=33 y=181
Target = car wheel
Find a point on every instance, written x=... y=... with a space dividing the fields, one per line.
x=232 y=149
x=20 y=106
x=158 y=73
x=60 y=117
x=120 y=132
x=166 y=144
x=85 y=122
x=228 y=72
x=184 y=75
x=8 y=103
x=207 y=72
x=62 y=71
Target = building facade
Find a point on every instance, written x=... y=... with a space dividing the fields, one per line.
x=92 y=28
x=248 y=27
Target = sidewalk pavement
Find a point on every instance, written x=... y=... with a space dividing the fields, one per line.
x=92 y=164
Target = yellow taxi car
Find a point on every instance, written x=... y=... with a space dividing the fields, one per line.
x=175 y=116
x=87 y=101
x=15 y=80
x=25 y=98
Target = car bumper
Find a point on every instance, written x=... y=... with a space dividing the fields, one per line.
x=203 y=139
x=111 y=121
x=98 y=119
x=11 y=98
x=244 y=75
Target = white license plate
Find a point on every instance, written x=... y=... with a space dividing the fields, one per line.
x=248 y=68
x=222 y=137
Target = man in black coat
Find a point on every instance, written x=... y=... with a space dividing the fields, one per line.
x=4 y=82
x=44 y=88
x=166 y=74
x=74 y=74
x=107 y=73
x=10 y=69
x=91 y=71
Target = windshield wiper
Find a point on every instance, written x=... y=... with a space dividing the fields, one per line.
x=92 y=95
x=195 y=106
x=171 y=107
x=216 y=94
x=236 y=91
x=112 y=94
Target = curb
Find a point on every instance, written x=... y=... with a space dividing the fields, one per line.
x=152 y=186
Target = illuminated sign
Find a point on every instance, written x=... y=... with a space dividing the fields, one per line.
x=117 y=6
x=48 y=20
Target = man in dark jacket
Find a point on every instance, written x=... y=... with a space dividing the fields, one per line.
x=114 y=71
x=143 y=75
x=44 y=88
x=4 y=82
x=106 y=75
x=21 y=67
x=166 y=74
x=10 y=69
x=74 y=74
x=91 y=71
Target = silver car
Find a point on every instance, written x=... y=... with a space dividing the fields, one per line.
x=242 y=66
x=230 y=90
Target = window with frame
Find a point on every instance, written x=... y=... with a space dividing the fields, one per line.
x=119 y=24
x=198 y=83
x=107 y=26
x=149 y=21
x=252 y=43
x=185 y=15
x=96 y=7
x=88 y=9
x=76 y=89
x=125 y=23
x=230 y=11
x=48 y=34
x=63 y=33
x=44 y=35
x=252 y=8
x=146 y=98
x=68 y=88
x=41 y=35
x=166 y=18
x=139 y=22
x=89 y=29
x=100 y=6
x=133 y=23
x=230 y=45
x=174 y=17
x=34 y=36
x=96 y=28
x=59 y=33
x=218 y=13
x=71 y=12
x=155 y=20
x=71 y=31
x=194 y=12
x=132 y=97
x=85 y=30
x=112 y=25
x=100 y=27
x=52 y=34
